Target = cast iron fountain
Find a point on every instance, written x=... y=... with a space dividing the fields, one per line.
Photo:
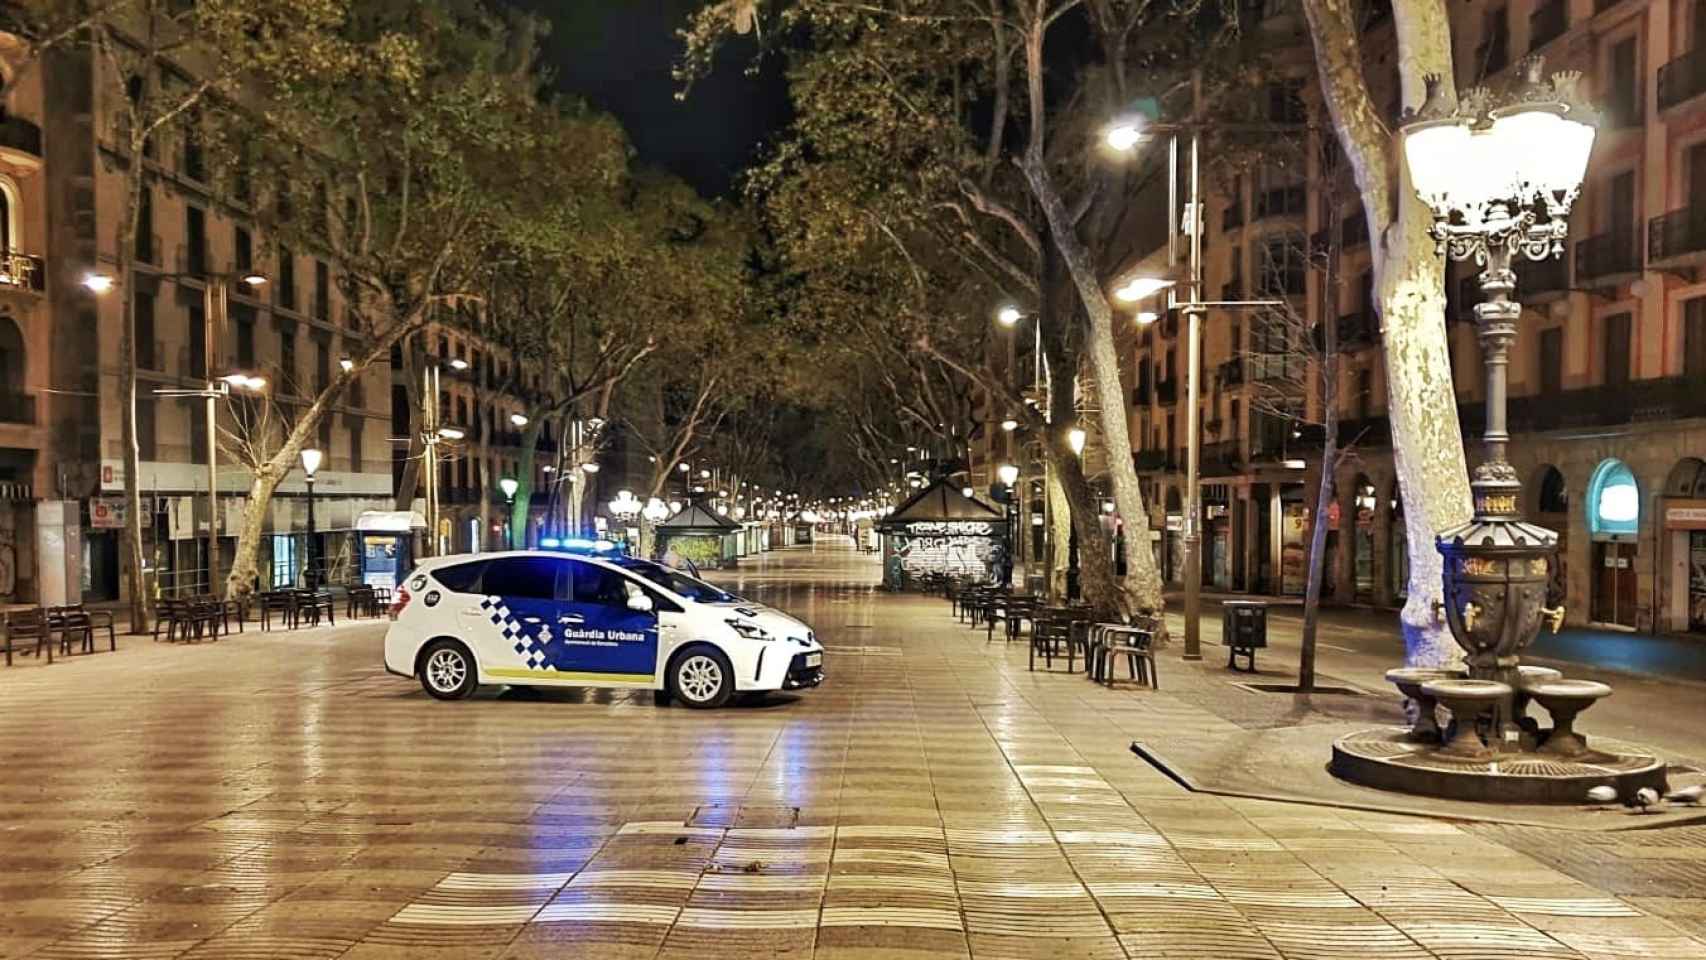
x=1500 y=182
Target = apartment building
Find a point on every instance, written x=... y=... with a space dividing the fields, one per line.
x=1608 y=375
x=62 y=166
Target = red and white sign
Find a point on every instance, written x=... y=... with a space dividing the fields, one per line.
x=106 y=513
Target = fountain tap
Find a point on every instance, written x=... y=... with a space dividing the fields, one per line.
x=1554 y=616
x=1471 y=613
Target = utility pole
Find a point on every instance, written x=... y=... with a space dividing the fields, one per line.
x=1193 y=390
x=214 y=301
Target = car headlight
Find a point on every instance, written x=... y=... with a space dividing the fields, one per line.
x=750 y=631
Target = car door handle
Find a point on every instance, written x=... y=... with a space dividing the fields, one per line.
x=530 y=620
x=472 y=611
x=575 y=618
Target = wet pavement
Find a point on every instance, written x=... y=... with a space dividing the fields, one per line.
x=279 y=795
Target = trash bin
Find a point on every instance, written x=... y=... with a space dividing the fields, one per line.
x=1243 y=628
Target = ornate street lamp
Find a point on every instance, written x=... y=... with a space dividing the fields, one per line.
x=509 y=485
x=311 y=458
x=1500 y=180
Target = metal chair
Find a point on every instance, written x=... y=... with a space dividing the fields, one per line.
x=28 y=624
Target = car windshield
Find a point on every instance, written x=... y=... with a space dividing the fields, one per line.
x=680 y=583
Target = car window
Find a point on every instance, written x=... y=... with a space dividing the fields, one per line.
x=680 y=583
x=532 y=577
x=595 y=584
x=461 y=577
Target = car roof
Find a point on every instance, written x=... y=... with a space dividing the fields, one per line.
x=434 y=563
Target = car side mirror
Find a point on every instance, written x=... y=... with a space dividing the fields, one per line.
x=639 y=603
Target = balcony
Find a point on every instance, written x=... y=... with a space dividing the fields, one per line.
x=1682 y=79
x=1358 y=330
x=1232 y=289
x=1167 y=392
x=1149 y=461
x=1140 y=395
x=1232 y=217
x=1281 y=202
x=20 y=271
x=20 y=145
x=1547 y=23
x=1677 y=239
x=1542 y=281
x=1637 y=401
x=1372 y=432
x=1608 y=260
x=1355 y=231
x=18 y=408
x=1221 y=459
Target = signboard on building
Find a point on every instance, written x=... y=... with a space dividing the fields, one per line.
x=1682 y=514
x=107 y=513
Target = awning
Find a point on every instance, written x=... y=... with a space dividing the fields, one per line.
x=389 y=521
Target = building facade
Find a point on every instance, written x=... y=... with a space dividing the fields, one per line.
x=1608 y=374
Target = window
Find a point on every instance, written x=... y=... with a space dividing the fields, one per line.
x=1494 y=53
x=146 y=434
x=243 y=319
x=1364 y=394
x=1282 y=267
x=322 y=291
x=462 y=577
x=194 y=167
x=284 y=560
x=326 y=434
x=1616 y=349
x=1694 y=337
x=287 y=357
x=197 y=337
x=195 y=241
x=524 y=577
x=245 y=250
x=593 y=584
x=1552 y=360
x=145 y=226
x=322 y=364
x=1622 y=98
x=1285 y=102
x=198 y=434
x=146 y=356
x=355 y=430
x=286 y=278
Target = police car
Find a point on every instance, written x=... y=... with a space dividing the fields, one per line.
x=539 y=618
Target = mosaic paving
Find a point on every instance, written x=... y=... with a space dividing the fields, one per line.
x=279 y=796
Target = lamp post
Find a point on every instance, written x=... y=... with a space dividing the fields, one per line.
x=509 y=485
x=311 y=465
x=1500 y=183
x=1124 y=135
x=211 y=392
x=1009 y=476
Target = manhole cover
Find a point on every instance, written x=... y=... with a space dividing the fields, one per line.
x=1329 y=691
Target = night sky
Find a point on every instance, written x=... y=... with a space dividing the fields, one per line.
x=617 y=55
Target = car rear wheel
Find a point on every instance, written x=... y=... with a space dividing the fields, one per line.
x=447 y=670
x=701 y=677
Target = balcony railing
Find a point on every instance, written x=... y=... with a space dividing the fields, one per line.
x=1542 y=279
x=1676 y=235
x=1140 y=395
x=1547 y=23
x=1608 y=258
x=1660 y=399
x=1359 y=329
x=1150 y=460
x=1232 y=289
x=1682 y=79
x=1281 y=202
x=17 y=408
x=20 y=271
x=1232 y=217
x=1167 y=392
x=19 y=134
x=1221 y=458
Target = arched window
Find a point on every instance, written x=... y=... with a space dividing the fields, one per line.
x=1614 y=500
x=8 y=215
x=1687 y=478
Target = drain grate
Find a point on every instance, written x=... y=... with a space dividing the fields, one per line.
x=1329 y=691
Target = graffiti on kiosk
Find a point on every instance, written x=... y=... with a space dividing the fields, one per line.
x=962 y=528
x=974 y=555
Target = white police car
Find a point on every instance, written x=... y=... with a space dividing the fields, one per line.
x=547 y=619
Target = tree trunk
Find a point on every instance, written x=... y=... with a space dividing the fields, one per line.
x=520 y=511
x=141 y=609
x=1060 y=537
x=1427 y=442
x=1329 y=374
x=410 y=482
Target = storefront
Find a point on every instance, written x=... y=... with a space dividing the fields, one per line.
x=1685 y=533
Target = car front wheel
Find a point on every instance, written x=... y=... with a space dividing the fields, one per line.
x=701 y=677
x=447 y=670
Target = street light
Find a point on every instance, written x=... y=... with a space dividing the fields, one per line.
x=1008 y=315
x=1009 y=425
x=311 y=465
x=1137 y=288
x=1076 y=438
x=1500 y=184
x=591 y=466
x=519 y=419
x=509 y=485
